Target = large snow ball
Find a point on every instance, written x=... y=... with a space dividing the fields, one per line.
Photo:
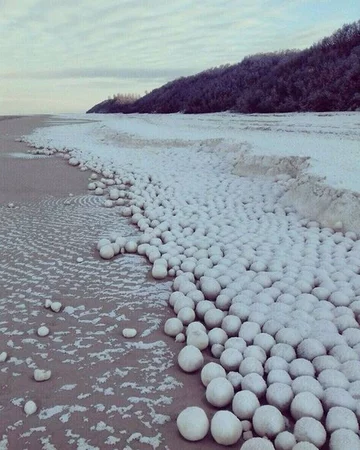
x=301 y=367
x=351 y=369
x=186 y=315
x=197 y=338
x=236 y=342
x=159 y=271
x=131 y=246
x=257 y=444
x=173 y=326
x=290 y=336
x=230 y=359
x=339 y=417
x=310 y=430
x=339 y=298
x=333 y=378
x=226 y=428
x=217 y=336
x=324 y=362
x=344 y=439
x=254 y=351
x=255 y=383
x=210 y=287
x=307 y=384
x=182 y=302
x=285 y=441
x=279 y=395
x=211 y=371
x=310 y=348
x=244 y=404
x=343 y=353
x=285 y=351
x=213 y=318
x=251 y=365
x=306 y=404
x=202 y=307
x=268 y=421
x=193 y=423
x=231 y=325
x=248 y=331
x=276 y=363
x=195 y=326
x=278 y=376
x=190 y=358
x=219 y=392
x=338 y=397
x=265 y=341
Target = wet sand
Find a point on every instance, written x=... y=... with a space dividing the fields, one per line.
x=105 y=391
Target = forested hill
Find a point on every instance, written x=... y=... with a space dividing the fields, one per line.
x=324 y=77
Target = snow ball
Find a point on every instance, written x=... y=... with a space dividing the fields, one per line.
x=230 y=359
x=42 y=375
x=55 y=306
x=47 y=303
x=236 y=342
x=333 y=378
x=352 y=336
x=251 y=365
x=231 y=325
x=202 y=307
x=343 y=353
x=186 y=315
x=107 y=251
x=216 y=350
x=339 y=417
x=324 y=362
x=248 y=331
x=30 y=407
x=278 y=376
x=308 y=429
x=3 y=356
x=304 y=446
x=339 y=298
x=198 y=338
x=158 y=271
x=265 y=341
x=257 y=444
x=344 y=439
x=43 y=331
x=99 y=191
x=217 y=336
x=129 y=332
x=235 y=379
x=268 y=421
x=223 y=302
x=213 y=318
x=310 y=348
x=301 y=367
x=290 y=336
x=131 y=246
x=194 y=326
x=211 y=371
x=255 y=383
x=219 y=392
x=255 y=351
x=226 y=428
x=193 y=423
x=285 y=441
x=351 y=369
x=307 y=384
x=271 y=327
x=276 y=363
x=338 y=397
x=108 y=203
x=279 y=395
x=305 y=404
x=210 y=287
x=173 y=326
x=244 y=404
x=285 y=351
x=190 y=358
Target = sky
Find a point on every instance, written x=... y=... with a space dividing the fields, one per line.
x=63 y=56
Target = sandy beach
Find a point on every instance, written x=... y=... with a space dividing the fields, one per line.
x=105 y=391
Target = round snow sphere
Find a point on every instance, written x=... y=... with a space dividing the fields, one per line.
x=248 y=331
x=217 y=336
x=268 y=421
x=30 y=407
x=43 y=331
x=99 y=191
x=306 y=404
x=55 y=306
x=257 y=444
x=226 y=428
x=210 y=287
x=301 y=367
x=197 y=338
x=190 y=359
x=213 y=318
x=285 y=351
x=265 y=341
x=235 y=379
x=343 y=353
x=278 y=376
x=159 y=271
x=290 y=336
x=195 y=326
x=236 y=342
x=202 y=307
x=192 y=423
x=107 y=251
x=338 y=397
x=279 y=395
x=310 y=349
x=244 y=404
x=308 y=429
x=254 y=351
x=219 y=392
x=183 y=302
x=102 y=242
x=251 y=365
x=173 y=326
x=344 y=439
x=333 y=378
x=324 y=362
x=351 y=369
x=211 y=371
x=230 y=359
x=246 y=425
x=276 y=363
x=285 y=441
x=131 y=246
x=186 y=315
x=339 y=417
x=307 y=384
x=255 y=383
x=231 y=325
x=271 y=327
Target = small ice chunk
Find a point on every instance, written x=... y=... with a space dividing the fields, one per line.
x=129 y=332
x=30 y=407
x=55 y=306
x=43 y=331
x=42 y=375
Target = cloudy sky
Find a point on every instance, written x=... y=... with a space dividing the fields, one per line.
x=67 y=55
